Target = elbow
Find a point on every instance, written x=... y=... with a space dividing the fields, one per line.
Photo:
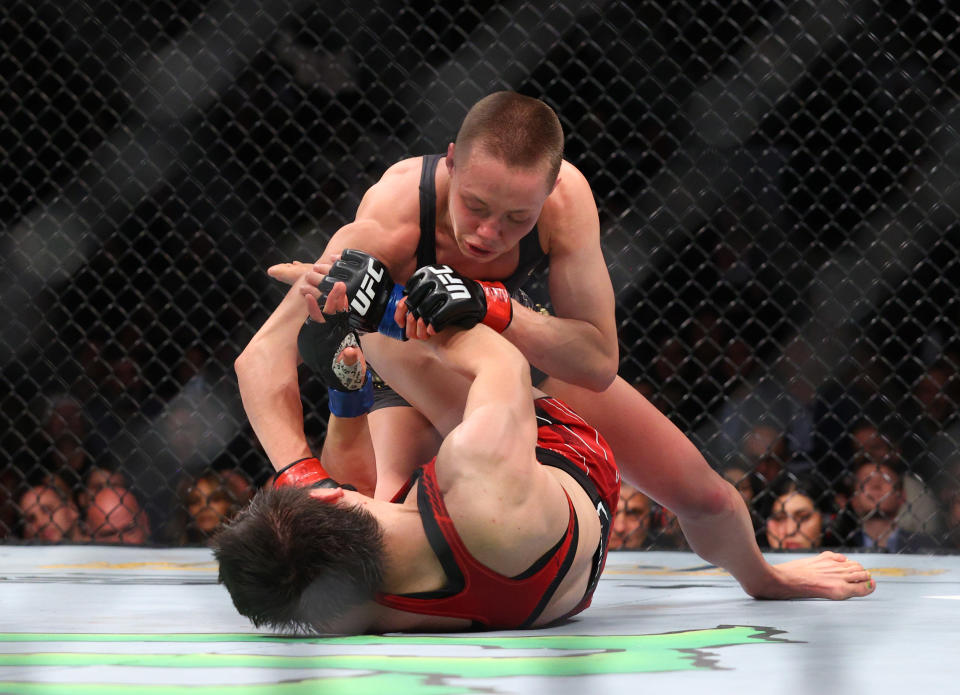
x=596 y=379
x=253 y=359
x=244 y=362
x=607 y=376
x=603 y=374
x=606 y=364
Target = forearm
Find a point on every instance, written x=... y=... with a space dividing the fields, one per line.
x=569 y=349
x=497 y=370
x=269 y=385
x=271 y=400
x=348 y=453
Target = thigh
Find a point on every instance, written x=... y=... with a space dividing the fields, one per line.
x=417 y=374
x=402 y=440
x=651 y=452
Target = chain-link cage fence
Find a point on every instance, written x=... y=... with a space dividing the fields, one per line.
x=777 y=186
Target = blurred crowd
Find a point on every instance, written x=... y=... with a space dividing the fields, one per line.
x=121 y=421
x=837 y=466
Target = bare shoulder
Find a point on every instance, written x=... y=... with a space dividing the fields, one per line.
x=569 y=219
x=393 y=204
x=395 y=194
x=483 y=450
x=506 y=507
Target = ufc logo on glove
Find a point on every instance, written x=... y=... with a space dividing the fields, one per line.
x=368 y=288
x=454 y=284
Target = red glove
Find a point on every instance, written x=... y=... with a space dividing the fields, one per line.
x=306 y=472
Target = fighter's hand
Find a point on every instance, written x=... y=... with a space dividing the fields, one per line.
x=414 y=328
x=335 y=302
x=443 y=297
x=331 y=348
x=289 y=273
x=305 y=277
x=372 y=295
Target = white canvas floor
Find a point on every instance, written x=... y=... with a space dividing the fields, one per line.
x=90 y=619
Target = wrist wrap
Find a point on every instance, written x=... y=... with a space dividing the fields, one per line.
x=388 y=326
x=499 y=307
x=306 y=472
x=351 y=403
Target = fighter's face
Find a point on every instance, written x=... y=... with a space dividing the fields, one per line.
x=493 y=206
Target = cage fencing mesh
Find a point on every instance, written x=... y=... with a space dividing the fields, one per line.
x=777 y=186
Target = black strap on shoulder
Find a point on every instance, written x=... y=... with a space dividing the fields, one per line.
x=427 y=247
x=426 y=493
x=604 y=513
x=561 y=573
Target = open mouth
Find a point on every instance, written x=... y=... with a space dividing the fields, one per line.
x=478 y=250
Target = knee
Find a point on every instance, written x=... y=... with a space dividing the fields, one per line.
x=712 y=499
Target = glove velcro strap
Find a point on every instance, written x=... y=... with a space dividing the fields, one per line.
x=388 y=326
x=351 y=403
x=306 y=472
x=499 y=307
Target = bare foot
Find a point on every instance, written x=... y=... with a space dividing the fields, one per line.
x=828 y=575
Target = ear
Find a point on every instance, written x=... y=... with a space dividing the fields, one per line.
x=554 y=187
x=327 y=495
x=449 y=158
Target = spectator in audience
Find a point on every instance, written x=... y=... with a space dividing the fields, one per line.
x=933 y=409
x=870 y=519
x=115 y=516
x=98 y=477
x=765 y=453
x=879 y=443
x=205 y=502
x=631 y=522
x=796 y=520
x=239 y=484
x=666 y=531
x=781 y=398
x=50 y=515
x=739 y=476
x=739 y=358
x=861 y=385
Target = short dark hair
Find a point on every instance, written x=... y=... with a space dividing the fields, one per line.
x=521 y=131
x=295 y=564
